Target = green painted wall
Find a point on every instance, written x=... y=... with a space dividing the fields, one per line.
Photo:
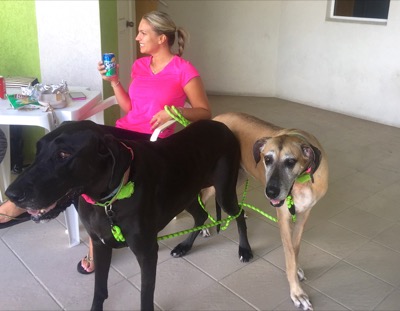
x=19 y=54
x=19 y=51
x=109 y=43
x=19 y=48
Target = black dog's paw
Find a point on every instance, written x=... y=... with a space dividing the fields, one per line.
x=180 y=250
x=245 y=254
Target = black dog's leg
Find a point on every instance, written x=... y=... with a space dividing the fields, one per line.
x=245 y=253
x=102 y=257
x=225 y=197
x=200 y=216
x=146 y=253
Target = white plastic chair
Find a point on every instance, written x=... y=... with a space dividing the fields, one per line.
x=96 y=114
x=167 y=124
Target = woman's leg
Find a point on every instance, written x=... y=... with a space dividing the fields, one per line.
x=11 y=215
x=86 y=265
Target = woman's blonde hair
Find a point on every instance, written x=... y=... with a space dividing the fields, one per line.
x=162 y=24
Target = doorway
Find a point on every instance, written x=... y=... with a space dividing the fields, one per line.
x=126 y=39
x=129 y=13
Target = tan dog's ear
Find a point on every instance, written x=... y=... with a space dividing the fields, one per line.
x=257 y=147
x=313 y=154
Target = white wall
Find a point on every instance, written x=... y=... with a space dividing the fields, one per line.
x=287 y=49
x=69 y=42
x=234 y=49
x=350 y=68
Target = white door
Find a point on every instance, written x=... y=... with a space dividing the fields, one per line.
x=126 y=39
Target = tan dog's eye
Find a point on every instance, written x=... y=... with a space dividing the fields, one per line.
x=268 y=160
x=290 y=163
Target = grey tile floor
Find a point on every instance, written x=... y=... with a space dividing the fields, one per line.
x=350 y=250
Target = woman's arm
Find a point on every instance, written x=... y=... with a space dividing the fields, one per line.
x=120 y=94
x=197 y=96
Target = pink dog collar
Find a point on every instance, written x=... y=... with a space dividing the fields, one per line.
x=88 y=199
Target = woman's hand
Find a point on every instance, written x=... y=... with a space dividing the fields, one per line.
x=102 y=70
x=159 y=119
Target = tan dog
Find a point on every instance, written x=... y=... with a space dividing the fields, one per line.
x=277 y=157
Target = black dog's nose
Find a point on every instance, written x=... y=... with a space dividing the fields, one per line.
x=15 y=195
x=272 y=192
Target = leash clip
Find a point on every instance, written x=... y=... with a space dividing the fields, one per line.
x=108 y=210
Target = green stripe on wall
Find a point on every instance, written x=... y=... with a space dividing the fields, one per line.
x=19 y=54
x=109 y=44
x=19 y=48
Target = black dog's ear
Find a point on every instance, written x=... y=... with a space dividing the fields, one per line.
x=107 y=145
x=313 y=154
x=119 y=155
x=257 y=148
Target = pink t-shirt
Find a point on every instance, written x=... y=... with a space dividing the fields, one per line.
x=149 y=92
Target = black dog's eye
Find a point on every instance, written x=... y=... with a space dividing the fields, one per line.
x=62 y=155
x=290 y=163
x=268 y=160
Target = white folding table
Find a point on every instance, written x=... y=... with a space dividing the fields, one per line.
x=90 y=108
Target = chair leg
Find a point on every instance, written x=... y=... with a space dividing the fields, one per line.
x=72 y=221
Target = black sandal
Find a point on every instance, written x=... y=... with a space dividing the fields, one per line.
x=81 y=269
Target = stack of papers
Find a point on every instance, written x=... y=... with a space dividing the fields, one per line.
x=14 y=82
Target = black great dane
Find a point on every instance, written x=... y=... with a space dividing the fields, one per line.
x=131 y=190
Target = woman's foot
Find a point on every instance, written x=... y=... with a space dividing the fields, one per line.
x=11 y=215
x=86 y=265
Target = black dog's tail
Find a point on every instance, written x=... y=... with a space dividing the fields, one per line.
x=218 y=214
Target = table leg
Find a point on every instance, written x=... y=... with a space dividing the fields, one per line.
x=5 y=165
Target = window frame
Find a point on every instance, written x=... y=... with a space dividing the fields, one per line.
x=361 y=20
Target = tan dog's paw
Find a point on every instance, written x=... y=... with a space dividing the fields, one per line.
x=302 y=301
x=205 y=233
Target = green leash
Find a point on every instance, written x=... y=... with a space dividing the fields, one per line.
x=124 y=192
x=128 y=191
x=175 y=114
x=213 y=224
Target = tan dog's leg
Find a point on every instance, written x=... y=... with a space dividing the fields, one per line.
x=291 y=242
x=297 y=233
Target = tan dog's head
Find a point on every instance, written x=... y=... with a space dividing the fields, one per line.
x=285 y=157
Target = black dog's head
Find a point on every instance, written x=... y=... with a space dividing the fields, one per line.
x=78 y=157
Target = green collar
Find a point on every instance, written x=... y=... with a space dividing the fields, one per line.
x=303 y=178
x=124 y=192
